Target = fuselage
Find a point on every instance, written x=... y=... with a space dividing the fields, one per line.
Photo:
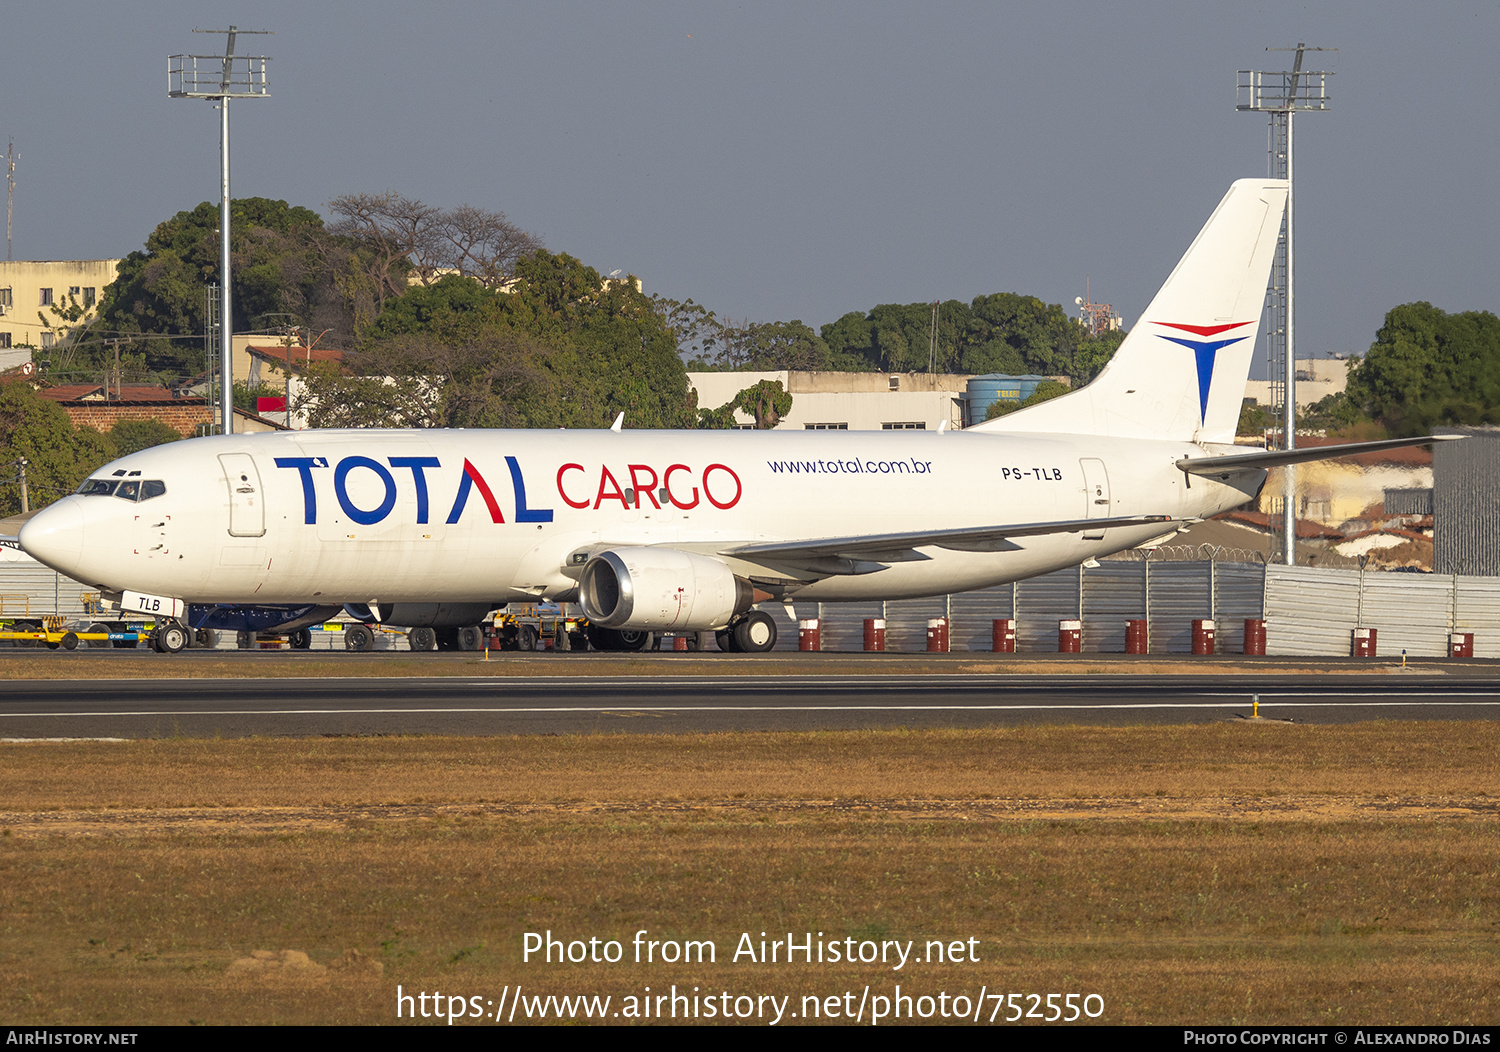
x=498 y=516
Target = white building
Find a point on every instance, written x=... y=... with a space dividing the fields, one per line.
x=847 y=401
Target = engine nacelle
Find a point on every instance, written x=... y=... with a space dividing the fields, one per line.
x=661 y=589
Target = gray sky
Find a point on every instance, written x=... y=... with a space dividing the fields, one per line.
x=781 y=161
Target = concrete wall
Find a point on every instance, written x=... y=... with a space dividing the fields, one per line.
x=861 y=401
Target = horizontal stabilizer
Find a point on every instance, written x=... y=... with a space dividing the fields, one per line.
x=1270 y=458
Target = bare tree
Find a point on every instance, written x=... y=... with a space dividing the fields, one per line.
x=401 y=232
x=408 y=239
x=483 y=245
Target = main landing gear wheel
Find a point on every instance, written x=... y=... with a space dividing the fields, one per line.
x=422 y=639
x=725 y=638
x=359 y=638
x=471 y=637
x=620 y=639
x=755 y=633
x=299 y=639
x=527 y=638
x=169 y=638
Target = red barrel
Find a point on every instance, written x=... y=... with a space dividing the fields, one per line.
x=1137 y=638
x=1203 y=636
x=875 y=634
x=937 y=635
x=809 y=635
x=1255 y=636
x=1461 y=644
x=1364 y=642
x=1070 y=637
x=1005 y=636
x=679 y=642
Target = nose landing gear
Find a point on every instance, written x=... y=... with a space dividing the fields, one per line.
x=169 y=638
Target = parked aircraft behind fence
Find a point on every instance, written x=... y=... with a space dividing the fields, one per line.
x=680 y=531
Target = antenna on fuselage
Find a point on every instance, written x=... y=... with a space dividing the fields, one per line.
x=619 y=422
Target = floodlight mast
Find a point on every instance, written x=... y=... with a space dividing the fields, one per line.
x=222 y=77
x=1282 y=95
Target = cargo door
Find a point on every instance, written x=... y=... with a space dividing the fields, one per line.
x=1096 y=494
x=247 y=510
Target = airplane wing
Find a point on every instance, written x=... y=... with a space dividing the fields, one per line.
x=1270 y=458
x=869 y=552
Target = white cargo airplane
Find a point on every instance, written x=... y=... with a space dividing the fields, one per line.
x=681 y=531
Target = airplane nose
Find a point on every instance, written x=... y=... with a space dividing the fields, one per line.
x=55 y=536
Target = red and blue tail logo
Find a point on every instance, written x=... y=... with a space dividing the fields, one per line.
x=1204 y=352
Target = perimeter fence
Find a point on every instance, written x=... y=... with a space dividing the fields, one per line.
x=1308 y=611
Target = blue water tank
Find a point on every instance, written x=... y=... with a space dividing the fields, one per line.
x=982 y=391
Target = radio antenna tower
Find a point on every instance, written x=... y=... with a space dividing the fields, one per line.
x=1283 y=95
x=10 y=192
x=221 y=77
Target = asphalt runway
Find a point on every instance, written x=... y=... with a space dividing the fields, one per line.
x=689 y=704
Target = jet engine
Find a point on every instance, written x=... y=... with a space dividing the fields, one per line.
x=661 y=589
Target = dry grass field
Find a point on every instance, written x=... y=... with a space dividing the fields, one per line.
x=219 y=664
x=1236 y=873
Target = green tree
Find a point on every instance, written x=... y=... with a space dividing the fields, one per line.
x=1254 y=418
x=161 y=290
x=560 y=346
x=613 y=350
x=59 y=456
x=132 y=436
x=1427 y=367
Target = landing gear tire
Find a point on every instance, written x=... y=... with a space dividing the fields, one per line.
x=527 y=638
x=634 y=639
x=359 y=639
x=299 y=639
x=695 y=641
x=471 y=637
x=244 y=640
x=422 y=639
x=725 y=638
x=620 y=639
x=755 y=633
x=206 y=638
x=170 y=638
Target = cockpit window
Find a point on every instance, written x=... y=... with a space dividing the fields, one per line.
x=125 y=489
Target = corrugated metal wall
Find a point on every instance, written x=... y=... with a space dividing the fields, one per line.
x=1309 y=612
x=28 y=587
x=1466 y=502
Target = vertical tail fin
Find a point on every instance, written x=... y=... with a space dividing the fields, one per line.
x=1181 y=371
